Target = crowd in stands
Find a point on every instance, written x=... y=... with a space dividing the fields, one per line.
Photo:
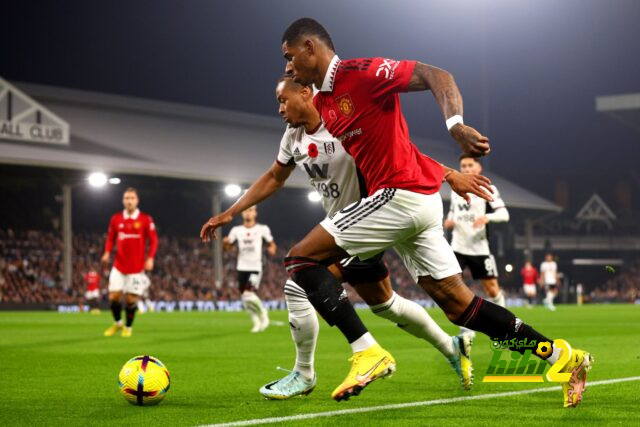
x=31 y=271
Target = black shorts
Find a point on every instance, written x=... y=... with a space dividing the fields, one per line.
x=354 y=271
x=481 y=266
x=249 y=280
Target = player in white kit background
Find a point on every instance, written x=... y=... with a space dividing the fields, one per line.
x=469 y=240
x=549 y=278
x=249 y=238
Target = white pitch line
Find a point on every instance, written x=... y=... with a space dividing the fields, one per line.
x=273 y=420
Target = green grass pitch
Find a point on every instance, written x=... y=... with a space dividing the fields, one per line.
x=58 y=369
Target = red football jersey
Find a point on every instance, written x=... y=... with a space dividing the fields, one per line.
x=132 y=233
x=92 y=280
x=360 y=105
x=529 y=275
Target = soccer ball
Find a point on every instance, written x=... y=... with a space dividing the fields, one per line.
x=144 y=381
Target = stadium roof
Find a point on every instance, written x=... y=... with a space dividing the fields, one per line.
x=624 y=108
x=120 y=134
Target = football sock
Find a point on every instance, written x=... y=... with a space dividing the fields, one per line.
x=498 y=323
x=327 y=296
x=412 y=318
x=362 y=343
x=116 y=310
x=253 y=305
x=499 y=299
x=130 y=311
x=304 y=327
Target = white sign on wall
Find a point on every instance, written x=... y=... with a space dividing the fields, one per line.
x=23 y=119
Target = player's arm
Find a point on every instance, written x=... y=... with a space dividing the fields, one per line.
x=152 y=235
x=449 y=223
x=499 y=214
x=445 y=90
x=268 y=238
x=265 y=186
x=463 y=184
x=227 y=245
x=111 y=238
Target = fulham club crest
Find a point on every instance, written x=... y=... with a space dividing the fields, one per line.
x=329 y=148
x=345 y=104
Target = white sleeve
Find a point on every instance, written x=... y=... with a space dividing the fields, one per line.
x=285 y=156
x=266 y=234
x=232 y=235
x=500 y=212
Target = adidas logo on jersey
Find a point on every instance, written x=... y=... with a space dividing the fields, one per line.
x=296 y=152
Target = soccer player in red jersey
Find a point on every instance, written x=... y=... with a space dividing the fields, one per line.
x=359 y=103
x=529 y=280
x=130 y=230
x=92 y=281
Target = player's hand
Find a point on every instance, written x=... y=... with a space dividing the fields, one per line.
x=271 y=250
x=105 y=258
x=448 y=223
x=148 y=265
x=470 y=140
x=480 y=222
x=208 y=230
x=465 y=183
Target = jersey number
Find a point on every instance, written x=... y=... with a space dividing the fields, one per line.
x=328 y=191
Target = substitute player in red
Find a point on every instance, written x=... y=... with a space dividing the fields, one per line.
x=130 y=230
x=92 y=281
x=359 y=103
x=529 y=279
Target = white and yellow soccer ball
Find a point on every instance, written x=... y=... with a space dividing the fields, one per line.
x=144 y=381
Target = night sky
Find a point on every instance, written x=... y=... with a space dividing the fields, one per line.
x=529 y=71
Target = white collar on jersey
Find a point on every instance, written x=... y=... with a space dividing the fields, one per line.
x=327 y=83
x=134 y=215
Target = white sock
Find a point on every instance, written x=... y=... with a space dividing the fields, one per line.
x=363 y=343
x=120 y=322
x=554 y=356
x=412 y=318
x=499 y=299
x=253 y=305
x=141 y=307
x=304 y=326
x=468 y=332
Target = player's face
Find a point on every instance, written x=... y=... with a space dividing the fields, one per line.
x=250 y=214
x=293 y=102
x=130 y=201
x=301 y=60
x=548 y=257
x=470 y=166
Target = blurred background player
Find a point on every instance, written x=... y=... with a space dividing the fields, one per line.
x=130 y=230
x=249 y=237
x=469 y=238
x=529 y=280
x=92 y=295
x=549 y=277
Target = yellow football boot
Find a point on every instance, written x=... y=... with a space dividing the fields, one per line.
x=579 y=364
x=111 y=331
x=366 y=366
x=126 y=332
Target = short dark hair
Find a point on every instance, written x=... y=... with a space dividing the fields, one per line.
x=288 y=77
x=468 y=156
x=307 y=27
x=131 y=190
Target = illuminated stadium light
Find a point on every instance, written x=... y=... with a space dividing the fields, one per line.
x=314 y=196
x=232 y=190
x=114 y=181
x=97 y=179
x=508 y=268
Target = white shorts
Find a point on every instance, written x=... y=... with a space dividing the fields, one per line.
x=410 y=223
x=529 y=290
x=92 y=294
x=136 y=283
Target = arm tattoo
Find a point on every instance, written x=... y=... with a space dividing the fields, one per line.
x=441 y=84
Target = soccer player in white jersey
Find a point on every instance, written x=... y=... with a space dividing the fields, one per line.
x=469 y=238
x=249 y=237
x=332 y=172
x=549 y=277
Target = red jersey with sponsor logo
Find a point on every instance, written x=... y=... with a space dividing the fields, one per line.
x=92 y=280
x=529 y=275
x=131 y=232
x=360 y=105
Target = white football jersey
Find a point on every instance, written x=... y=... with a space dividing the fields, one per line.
x=548 y=271
x=467 y=239
x=250 y=245
x=330 y=169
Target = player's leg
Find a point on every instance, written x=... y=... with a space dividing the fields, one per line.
x=134 y=287
x=493 y=291
x=263 y=314
x=250 y=300
x=116 y=286
x=304 y=328
x=551 y=294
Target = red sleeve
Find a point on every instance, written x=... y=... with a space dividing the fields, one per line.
x=111 y=235
x=152 y=236
x=387 y=76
